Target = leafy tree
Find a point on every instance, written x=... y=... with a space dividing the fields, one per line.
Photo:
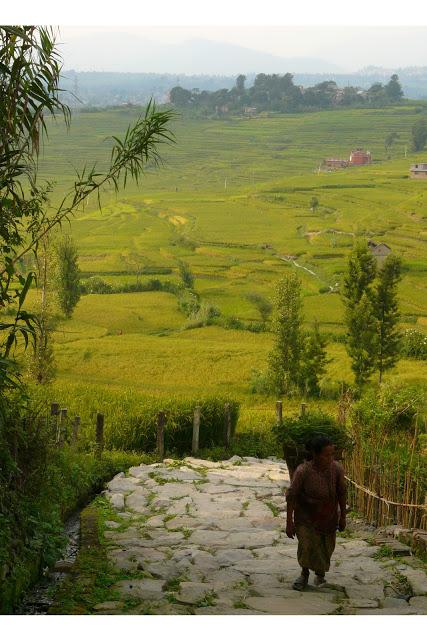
x=263 y=305
x=285 y=358
x=390 y=140
x=42 y=366
x=419 y=134
x=180 y=97
x=376 y=94
x=135 y=261
x=386 y=310
x=186 y=274
x=314 y=204
x=68 y=275
x=359 y=311
x=29 y=88
x=362 y=338
x=240 y=83
x=313 y=362
x=360 y=274
x=393 y=89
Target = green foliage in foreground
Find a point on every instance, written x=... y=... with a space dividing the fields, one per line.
x=39 y=487
x=391 y=408
x=131 y=418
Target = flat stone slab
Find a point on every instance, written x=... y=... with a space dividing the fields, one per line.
x=394 y=603
x=229 y=557
x=266 y=566
x=122 y=484
x=252 y=540
x=137 y=500
x=292 y=606
x=419 y=602
x=145 y=589
x=117 y=500
x=417 y=578
x=207 y=538
x=109 y=606
x=172 y=490
x=361 y=603
x=140 y=472
x=227 y=611
x=192 y=592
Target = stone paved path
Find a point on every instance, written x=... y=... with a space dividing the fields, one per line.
x=209 y=539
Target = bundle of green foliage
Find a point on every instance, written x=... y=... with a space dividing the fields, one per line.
x=391 y=408
x=40 y=485
x=414 y=344
x=295 y=432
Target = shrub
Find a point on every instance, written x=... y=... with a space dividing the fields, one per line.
x=203 y=316
x=414 y=344
x=295 y=433
x=95 y=284
x=261 y=382
x=391 y=408
x=40 y=485
x=188 y=303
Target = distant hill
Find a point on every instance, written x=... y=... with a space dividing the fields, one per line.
x=139 y=55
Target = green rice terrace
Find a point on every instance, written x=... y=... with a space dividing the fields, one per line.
x=232 y=199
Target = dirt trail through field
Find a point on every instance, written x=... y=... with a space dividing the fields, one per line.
x=209 y=539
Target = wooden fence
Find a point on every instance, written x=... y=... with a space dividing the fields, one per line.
x=67 y=431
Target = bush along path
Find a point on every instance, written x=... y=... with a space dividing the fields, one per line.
x=207 y=538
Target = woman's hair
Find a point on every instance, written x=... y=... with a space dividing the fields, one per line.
x=318 y=443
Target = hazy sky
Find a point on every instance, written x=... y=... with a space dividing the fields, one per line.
x=350 y=48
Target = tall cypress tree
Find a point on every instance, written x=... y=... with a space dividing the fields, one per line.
x=68 y=275
x=386 y=310
x=314 y=361
x=358 y=295
x=285 y=358
x=362 y=340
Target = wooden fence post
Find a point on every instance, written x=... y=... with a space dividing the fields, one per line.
x=227 y=424
x=54 y=412
x=161 y=421
x=75 y=433
x=196 y=430
x=54 y=408
x=303 y=409
x=62 y=427
x=279 y=412
x=99 y=434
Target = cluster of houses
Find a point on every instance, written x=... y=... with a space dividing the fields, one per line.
x=358 y=157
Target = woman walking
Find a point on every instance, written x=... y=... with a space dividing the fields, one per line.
x=318 y=488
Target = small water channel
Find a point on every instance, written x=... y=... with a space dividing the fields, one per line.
x=39 y=598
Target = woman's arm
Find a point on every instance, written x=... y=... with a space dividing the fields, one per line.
x=292 y=495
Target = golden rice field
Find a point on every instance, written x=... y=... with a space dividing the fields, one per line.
x=233 y=200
